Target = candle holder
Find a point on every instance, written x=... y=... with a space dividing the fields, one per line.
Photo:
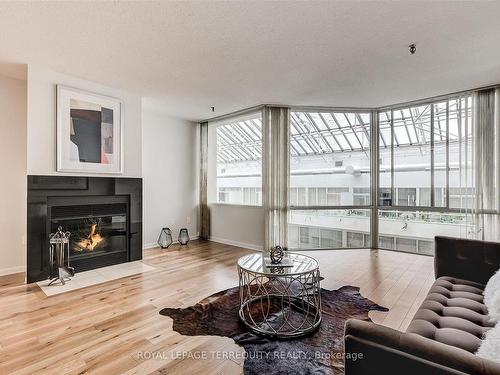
x=183 y=236
x=165 y=238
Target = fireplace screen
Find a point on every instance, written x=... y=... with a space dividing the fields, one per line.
x=95 y=229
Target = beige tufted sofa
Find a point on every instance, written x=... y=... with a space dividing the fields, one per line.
x=446 y=331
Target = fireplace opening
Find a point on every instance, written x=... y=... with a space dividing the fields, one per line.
x=97 y=231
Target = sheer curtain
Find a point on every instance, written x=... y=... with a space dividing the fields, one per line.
x=276 y=175
x=204 y=220
x=486 y=164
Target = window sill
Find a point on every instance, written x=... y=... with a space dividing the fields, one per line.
x=234 y=205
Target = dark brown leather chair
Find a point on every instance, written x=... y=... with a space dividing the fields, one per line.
x=445 y=332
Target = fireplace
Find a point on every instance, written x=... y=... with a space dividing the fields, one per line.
x=103 y=214
x=99 y=232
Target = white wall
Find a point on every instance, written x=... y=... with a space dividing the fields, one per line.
x=237 y=225
x=13 y=169
x=42 y=121
x=170 y=174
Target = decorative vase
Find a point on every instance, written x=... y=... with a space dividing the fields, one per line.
x=183 y=236
x=165 y=238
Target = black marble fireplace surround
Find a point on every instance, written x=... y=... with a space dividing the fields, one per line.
x=75 y=203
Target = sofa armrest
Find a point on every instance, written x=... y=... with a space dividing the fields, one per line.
x=372 y=349
x=471 y=260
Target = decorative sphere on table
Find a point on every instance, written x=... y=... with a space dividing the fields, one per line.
x=276 y=254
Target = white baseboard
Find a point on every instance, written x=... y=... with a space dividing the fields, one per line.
x=11 y=270
x=152 y=245
x=237 y=243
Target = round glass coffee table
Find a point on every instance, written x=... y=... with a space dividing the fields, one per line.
x=280 y=301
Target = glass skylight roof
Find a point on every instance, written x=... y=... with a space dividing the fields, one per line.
x=316 y=133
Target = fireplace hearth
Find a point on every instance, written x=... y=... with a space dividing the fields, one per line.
x=103 y=214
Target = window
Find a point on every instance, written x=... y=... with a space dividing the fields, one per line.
x=355 y=239
x=322 y=201
x=309 y=238
x=385 y=242
x=301 y=196
x=329 y=167
x=252 y=196
x=329 y=229
x=425 y=247
x=317 y=196
x=431 y=181
x=329 y=153
x=462 y=198
x=425 y=161
x=385 y=196
x=414 y=231
x=406 y=244
x=368 y=241
x=312 y=194
x=424 y=153
x=411 y=147
x=361 y=196
x=292 y=197
x=235 y=161
x=334 y=196
x=293 y=236
x=407 y=196
x=331 y=239
x=424 y=197
x=228 y=195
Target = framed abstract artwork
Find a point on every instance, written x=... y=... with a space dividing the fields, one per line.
x=89 y=132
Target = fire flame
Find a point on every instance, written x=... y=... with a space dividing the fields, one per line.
x=92 y=240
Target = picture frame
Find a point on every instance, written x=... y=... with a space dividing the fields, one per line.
x=89 y=132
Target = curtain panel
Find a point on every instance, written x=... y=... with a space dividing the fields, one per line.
x=204 y=214
x=276 y=175
x=486 y=164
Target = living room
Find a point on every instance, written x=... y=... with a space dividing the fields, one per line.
x=247 y=187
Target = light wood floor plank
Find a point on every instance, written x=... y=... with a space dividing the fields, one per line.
x=107 y=328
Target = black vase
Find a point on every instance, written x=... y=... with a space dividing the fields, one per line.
x=165 y=238
x=183 y=236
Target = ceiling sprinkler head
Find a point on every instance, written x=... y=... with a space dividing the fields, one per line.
x=213 y=109
x=412 y=48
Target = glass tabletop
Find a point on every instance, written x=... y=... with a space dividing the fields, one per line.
x=298 y=264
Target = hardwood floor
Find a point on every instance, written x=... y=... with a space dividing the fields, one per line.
x=113 y=328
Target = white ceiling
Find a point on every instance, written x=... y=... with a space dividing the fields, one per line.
x=189 y=56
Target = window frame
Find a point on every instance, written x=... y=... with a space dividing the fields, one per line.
x=378 y=204
x=246 y=115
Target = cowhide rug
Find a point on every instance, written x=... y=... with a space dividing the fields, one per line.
x=319 y=353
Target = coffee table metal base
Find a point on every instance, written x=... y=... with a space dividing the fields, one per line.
x=281 y=306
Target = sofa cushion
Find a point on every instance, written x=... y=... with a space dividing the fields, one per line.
x=453 y=313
